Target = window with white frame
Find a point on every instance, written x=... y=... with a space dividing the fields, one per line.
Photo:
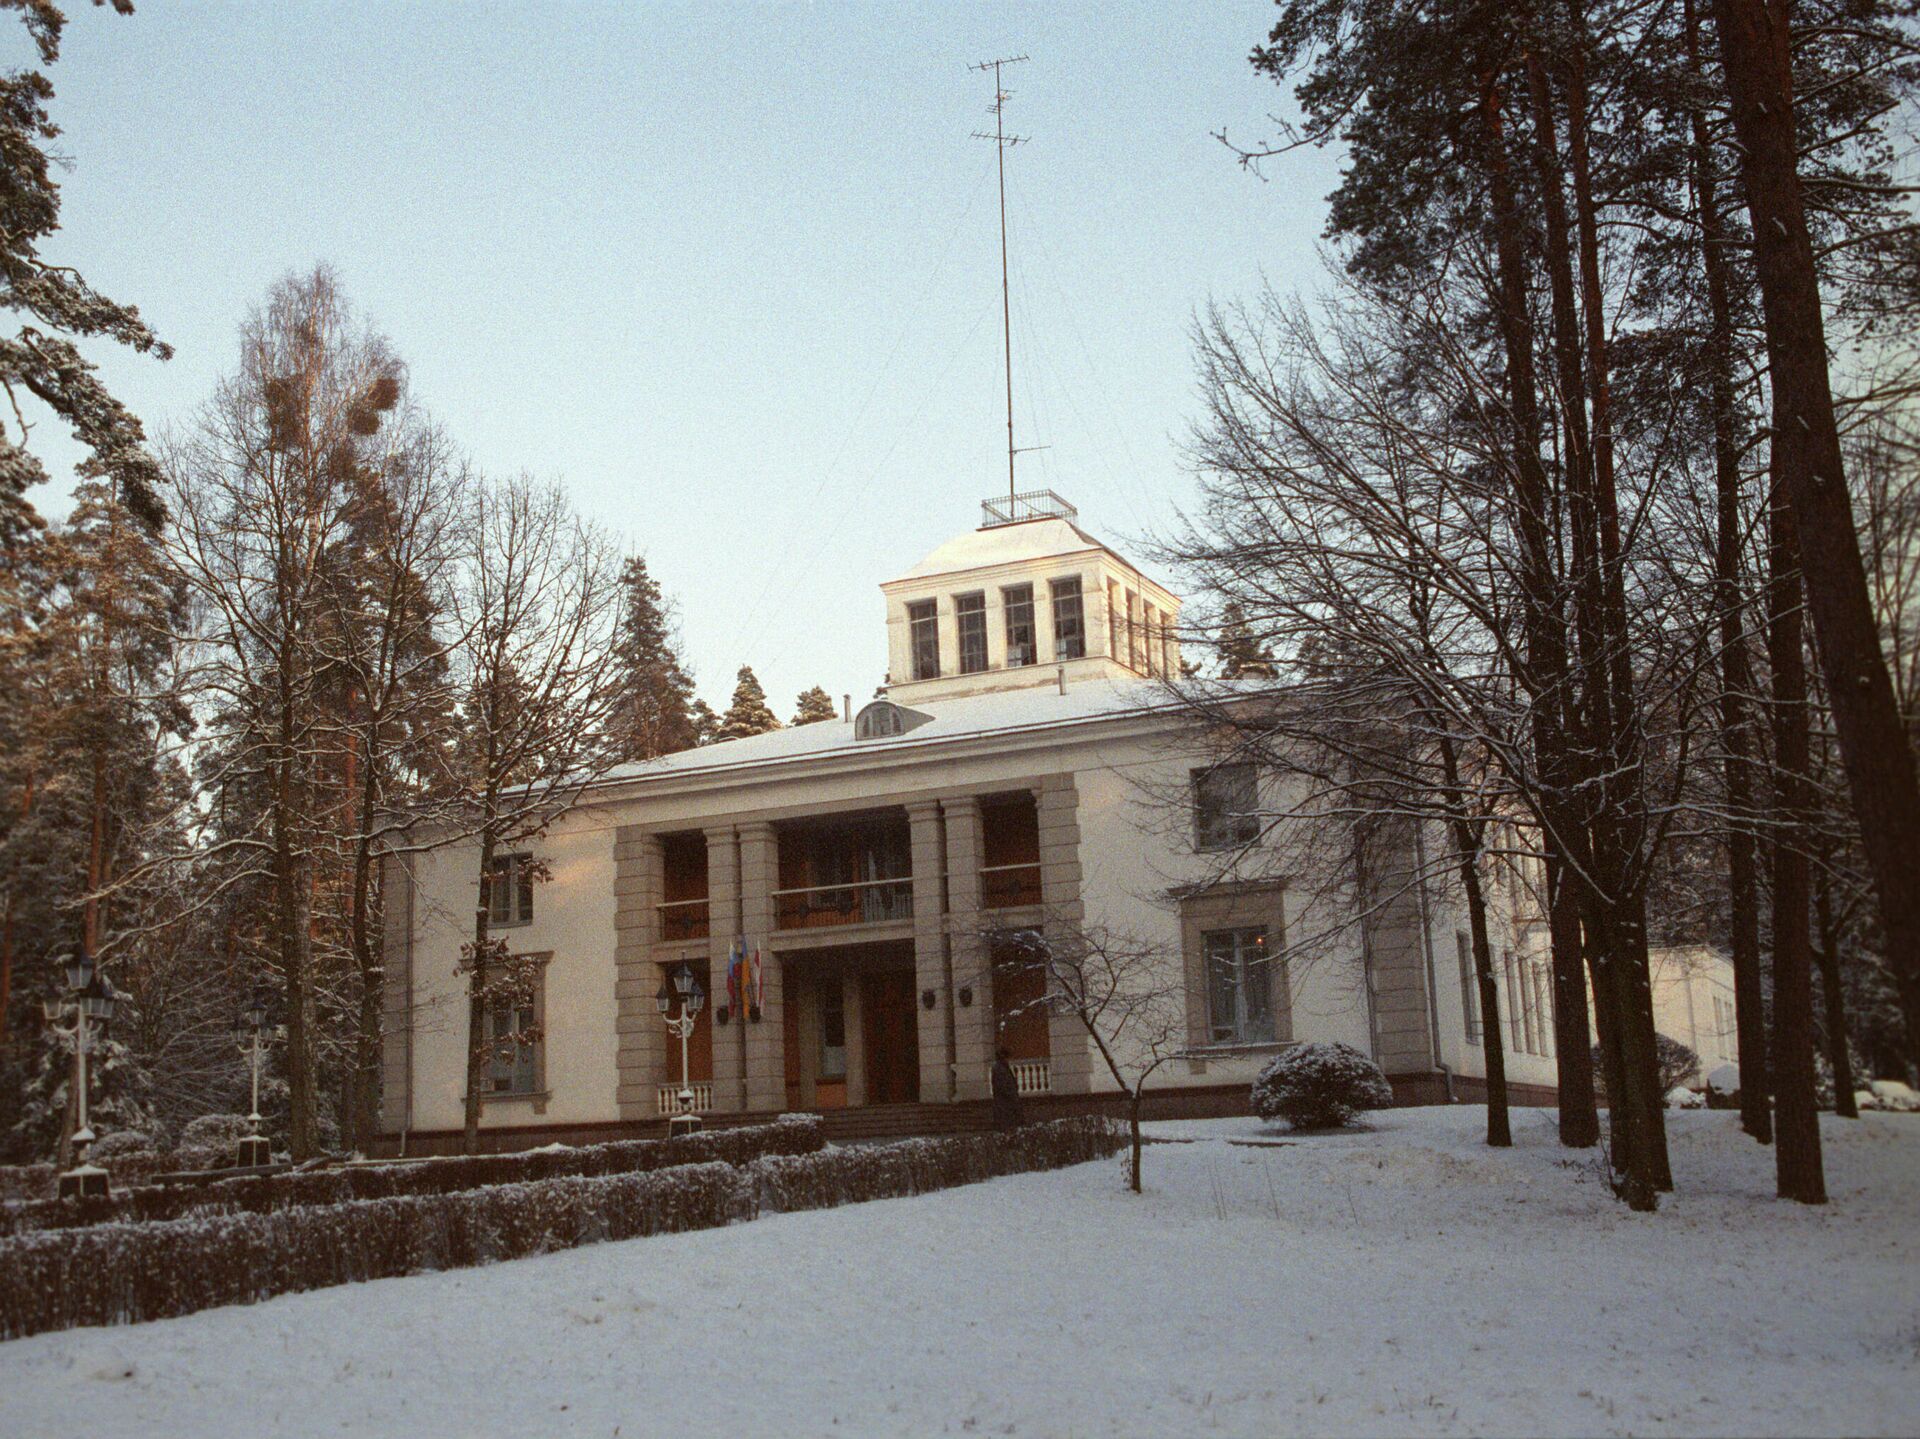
x=970 y=620
x=1152 y=646
x=1022 y=648
x=1069 y=619
x=1133 y=629
x=509 y=890
x=1239 y=986
x=1543 y=1008
x=923 y=626
x=1225 y=801
x=1116 y=622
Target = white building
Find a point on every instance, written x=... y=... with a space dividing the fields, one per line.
x=1025 y=769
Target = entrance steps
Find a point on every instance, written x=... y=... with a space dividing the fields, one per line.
x=904 y=1121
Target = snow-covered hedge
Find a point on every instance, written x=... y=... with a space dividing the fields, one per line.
x=920 y=1166
x=215 y=1131
x=264 y=1193
x=119 y=1144
x=1318 y=1086
x=123 y=1273
x=25 y=1181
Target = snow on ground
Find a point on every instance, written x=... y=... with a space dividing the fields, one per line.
x=1406 y=1280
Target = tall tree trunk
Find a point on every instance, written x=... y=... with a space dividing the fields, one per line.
x=1839 y=1055
x=1756 y=51
x=477 y=1050
x=294 y=911
x=1736 y=669
x=1579 y=1112
x=1796 y=1150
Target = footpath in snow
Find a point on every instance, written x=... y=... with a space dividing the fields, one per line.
x=1406 y=1280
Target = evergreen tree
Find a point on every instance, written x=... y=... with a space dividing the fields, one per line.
x=813 y=706
x=749 y=713
x=706 y=724
x=656 y=714
x=54 y=299
x=1241 y=654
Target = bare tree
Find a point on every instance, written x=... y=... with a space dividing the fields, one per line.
x=1128 y=995
x=536 y=611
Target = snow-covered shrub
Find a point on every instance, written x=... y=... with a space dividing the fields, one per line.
x=120 y=1143
x=264 y=1193
x=1318 y=1086
x=26 y=1181
x=921 y=1166
x=218 y=1131
x=1891 y=1095
x=1723 y=1086
x=126 y=1273
x=1684 y=1098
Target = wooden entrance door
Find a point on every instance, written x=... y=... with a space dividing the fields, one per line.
x=892 y=1038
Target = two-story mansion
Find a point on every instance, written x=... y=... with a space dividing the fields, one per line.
x=1015 y=773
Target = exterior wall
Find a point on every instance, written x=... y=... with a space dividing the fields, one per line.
x=1116 y=852
x=574 y=920
x=1093 y=568
x=1686 y=981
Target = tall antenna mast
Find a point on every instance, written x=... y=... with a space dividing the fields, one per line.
x=1002 y=143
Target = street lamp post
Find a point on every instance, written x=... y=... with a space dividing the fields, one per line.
x=686 y=987
x=91 y=996
x=249 y=1032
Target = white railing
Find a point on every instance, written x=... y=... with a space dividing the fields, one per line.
x=669 y=1097
x=865 y=901
x=1034 y=1076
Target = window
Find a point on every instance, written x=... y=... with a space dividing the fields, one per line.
x=1238 y=1007
x=516 y=1055
x=1152 y=637
x=509 y=890
x=1069 y=621
x=1133 y=630
x=1543 y=1009
x=1169 y=663
x=923 y=624
x=833 y=1030
x=1529 y=1019
x=1518 y=1041
x=1223 y=807
x=1469 y=986
x=1017 y=600
x=970 y=617
x=1116 y=620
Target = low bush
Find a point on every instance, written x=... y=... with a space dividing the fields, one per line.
x=114 y=1273
x=1319 y=1086
x=265 y=1193
x=120 y=1143
x=921 y=1166
x=215 y=1131
x=125 y=1273
x=25 y=1181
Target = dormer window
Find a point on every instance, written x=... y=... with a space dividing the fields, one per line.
x=883 y=719
x=970 y=619
x=923 y=621
x=1017 y=600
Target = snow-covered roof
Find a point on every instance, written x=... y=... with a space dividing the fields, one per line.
x=1006 y=545
x=965 y=717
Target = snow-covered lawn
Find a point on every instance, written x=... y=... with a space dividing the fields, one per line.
x=1402 y=1281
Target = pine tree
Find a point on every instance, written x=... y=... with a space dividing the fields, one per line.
x=54 y=299
x=749 y=713
x=1241 y=655
x=813 y=706
x=706 y=724
x=656 y=713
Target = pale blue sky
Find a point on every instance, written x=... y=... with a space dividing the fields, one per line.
x=730 y=272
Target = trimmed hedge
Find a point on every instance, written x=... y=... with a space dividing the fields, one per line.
x=920 y=1166
x=266 y=1193
x=129 y=1272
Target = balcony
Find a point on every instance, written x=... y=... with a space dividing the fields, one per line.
x=668 y=1098
x=826 y=906
x=1009 y=886
x=1033 y=1076
x=684 y=919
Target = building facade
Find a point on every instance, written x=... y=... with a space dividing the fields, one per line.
x=1025 y=770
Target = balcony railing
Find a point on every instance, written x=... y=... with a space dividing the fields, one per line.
x=1009 y=886
x=684 y=919
x=823 y=906
x=669 y=1097
x=1034 y=1076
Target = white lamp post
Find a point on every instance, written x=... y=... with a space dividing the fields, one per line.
x=91 y=997
x=686 y=987
x=249 y=1032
